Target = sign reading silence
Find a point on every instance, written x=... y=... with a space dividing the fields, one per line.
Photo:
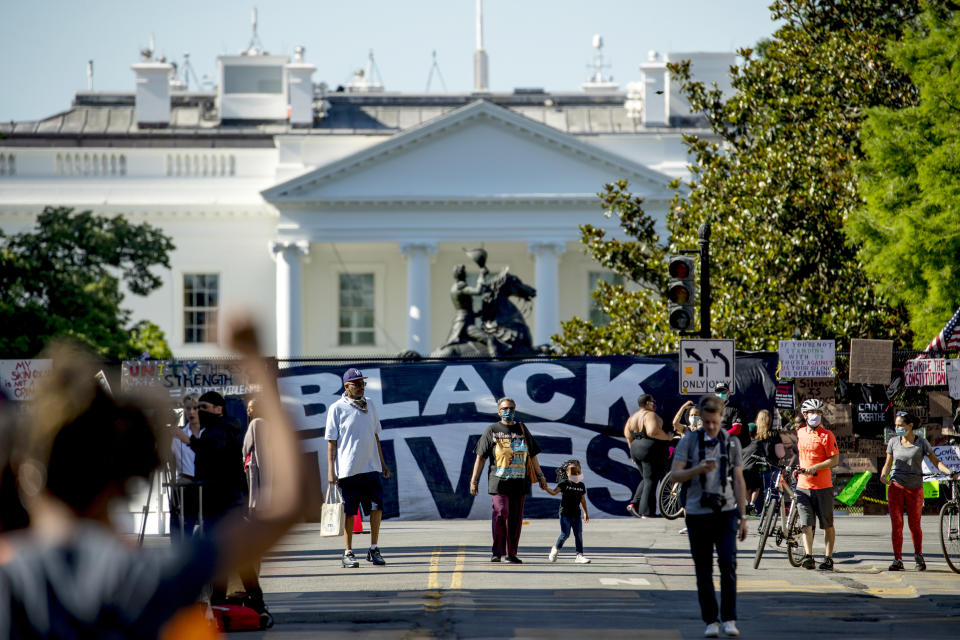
x=706 y=363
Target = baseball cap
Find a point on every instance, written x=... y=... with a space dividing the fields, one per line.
x=353 y=374
x=721 y=388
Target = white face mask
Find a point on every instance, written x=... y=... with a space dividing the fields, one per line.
x=813 y=420
x=576 y=478
x=694 y=421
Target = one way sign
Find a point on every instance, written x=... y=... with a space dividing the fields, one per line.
x=704 y=364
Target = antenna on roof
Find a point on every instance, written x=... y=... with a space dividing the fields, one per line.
x=89 y=75
x=182 y=74
x=367 y=80
x=598 y=81
x=255 y=48
x=480 y=62
x=435 y=67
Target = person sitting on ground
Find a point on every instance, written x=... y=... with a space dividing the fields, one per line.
x=71 y=575
x=905 y=453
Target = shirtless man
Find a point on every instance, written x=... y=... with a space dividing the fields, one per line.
x=648 y=449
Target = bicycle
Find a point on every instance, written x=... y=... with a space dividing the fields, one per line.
x=776 y=519
x=950 y=528
x=668 y=498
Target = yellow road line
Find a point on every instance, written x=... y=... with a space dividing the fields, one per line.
x=433 y=581
x=457 y=579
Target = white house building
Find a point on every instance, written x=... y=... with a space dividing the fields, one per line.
x=339 y=216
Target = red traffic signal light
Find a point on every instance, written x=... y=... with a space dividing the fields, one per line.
x=680 y=293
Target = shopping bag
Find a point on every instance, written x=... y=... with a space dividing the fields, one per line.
x=331 y=515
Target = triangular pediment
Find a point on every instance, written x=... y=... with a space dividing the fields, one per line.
x=478 y=151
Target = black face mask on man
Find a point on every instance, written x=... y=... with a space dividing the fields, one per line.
x=208 y=418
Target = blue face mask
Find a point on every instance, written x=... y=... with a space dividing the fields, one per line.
x=901 y=431
x=507 y=414
x=722 y=396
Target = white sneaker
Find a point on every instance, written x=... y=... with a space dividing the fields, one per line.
x=553 y=554
x=582 y=559
x=730 y=628
x=712 y=630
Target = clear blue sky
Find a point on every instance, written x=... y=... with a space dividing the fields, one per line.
x=45 y=44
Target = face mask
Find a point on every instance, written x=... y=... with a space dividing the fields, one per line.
x=507 y=414
x=901 y=431
x=814 y=419
x=722 y=396
x=208 y=418
x=576 y=478
x=753 y=427
x=694 y=421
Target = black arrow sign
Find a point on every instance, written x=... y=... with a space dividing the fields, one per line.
x=726 y=363
x=692 y=353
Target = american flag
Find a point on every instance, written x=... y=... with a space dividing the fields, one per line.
x=949 y=336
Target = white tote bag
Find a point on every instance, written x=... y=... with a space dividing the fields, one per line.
x=331 y=515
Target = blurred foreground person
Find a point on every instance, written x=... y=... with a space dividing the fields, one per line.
x=70 y=575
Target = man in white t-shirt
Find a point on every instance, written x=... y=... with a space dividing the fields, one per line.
x=355 y=462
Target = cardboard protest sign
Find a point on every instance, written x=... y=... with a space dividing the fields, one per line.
x=925 y=372
x=182 y=377
x=855 y=464
x=871 y=361
x=940 y=405
x=807 y=358
x=953 y=378
x=838 y=418
x=948 y=455
x=821 y=388
x=19 y=378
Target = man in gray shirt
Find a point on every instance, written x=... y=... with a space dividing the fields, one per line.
x=708 y=462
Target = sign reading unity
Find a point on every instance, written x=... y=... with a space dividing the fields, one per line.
x=182 y=377
x=433 y=414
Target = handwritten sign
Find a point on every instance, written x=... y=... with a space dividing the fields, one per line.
x=807 y=358
x=854 y=465
x=873 y=448
x=925 y=372
x=19 y=378
x=182 y=377
x=871 y=361
x=839 y=418
x=820 y=388
x=948 y=455
x=953 y=378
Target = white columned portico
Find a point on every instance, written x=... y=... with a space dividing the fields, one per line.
x=418 y=294
x=288 y=256
x=547 y=281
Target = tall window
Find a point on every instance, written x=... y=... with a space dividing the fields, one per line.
x=597 y=317
x=356 y=309
x=201 y=297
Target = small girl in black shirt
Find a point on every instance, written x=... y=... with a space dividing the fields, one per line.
x=570 y=484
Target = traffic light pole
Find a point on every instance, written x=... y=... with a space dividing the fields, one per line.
x=704 y=234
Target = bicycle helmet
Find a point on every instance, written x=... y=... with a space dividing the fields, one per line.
x=811 y=405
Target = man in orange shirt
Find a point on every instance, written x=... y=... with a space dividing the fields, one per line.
x=818 y=452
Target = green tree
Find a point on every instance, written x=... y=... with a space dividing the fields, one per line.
x=909 y=229
x=63 y=278
x=776 y=180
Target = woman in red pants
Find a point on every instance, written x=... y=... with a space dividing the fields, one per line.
x=905 y=454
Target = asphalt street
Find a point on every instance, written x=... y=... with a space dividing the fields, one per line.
x=439 y=583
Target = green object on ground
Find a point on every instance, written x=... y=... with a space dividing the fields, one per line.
x=856 y=485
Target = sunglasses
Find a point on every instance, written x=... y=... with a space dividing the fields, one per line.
x=901 y=414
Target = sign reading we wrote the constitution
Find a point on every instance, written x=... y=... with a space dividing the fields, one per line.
x=807 y=358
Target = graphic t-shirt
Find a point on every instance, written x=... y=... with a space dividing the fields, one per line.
x=508 y=451
x=571 y=493
x=907 y=461
x=815 y=446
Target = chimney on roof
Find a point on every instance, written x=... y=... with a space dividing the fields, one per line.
x=300 y=89
x=152 y=102
x=654 y=91
x=480 y=63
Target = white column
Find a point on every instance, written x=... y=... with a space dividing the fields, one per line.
x=546 y=306
x=288 y=255
x=418 y=294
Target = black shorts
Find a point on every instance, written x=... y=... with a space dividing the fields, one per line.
x=815 y=502
x=362 y=490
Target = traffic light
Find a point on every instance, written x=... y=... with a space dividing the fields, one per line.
x=681 y=293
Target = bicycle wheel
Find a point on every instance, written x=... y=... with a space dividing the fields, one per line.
x=766 y=526
x=950 y=534
x=668 y=497
x=794 y=548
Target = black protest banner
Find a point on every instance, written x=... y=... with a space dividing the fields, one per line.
x=433 y=413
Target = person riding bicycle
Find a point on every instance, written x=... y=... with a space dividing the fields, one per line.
x=818 y=453
x=905 y=454
x=764 y=444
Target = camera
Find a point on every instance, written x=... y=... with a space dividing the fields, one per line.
x=712 y=501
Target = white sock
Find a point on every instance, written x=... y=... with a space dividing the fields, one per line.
x=347 y=551
x=373 y=547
